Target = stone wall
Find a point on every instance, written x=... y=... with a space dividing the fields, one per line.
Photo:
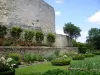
x=41 y=50
x=62 y=41
x=28 y=14
x=31 y=14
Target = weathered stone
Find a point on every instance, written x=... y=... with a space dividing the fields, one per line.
x=40 y=50
x=31 y=14
x=28 y=14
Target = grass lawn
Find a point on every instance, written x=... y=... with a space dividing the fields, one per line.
x=38 y=68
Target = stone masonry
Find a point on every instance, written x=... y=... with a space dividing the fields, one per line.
x=28 y=14
x=31 y=14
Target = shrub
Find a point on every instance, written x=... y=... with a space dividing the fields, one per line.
x=96 y=53
x=61 y=61
x=28 y=35
x=15 y=33
x=32 y=57
x=89 y=55
x=11 y=72
x=50 y=39
x=55 y=72
x=4 y=67
x=39 y=37
x=78 y=57
x=28 y=57
x=16 y=58
x=82 y=49
x=3 y=31
x=39 y=58
x=50 y=57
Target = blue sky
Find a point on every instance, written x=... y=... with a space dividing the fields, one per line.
x=83 y=13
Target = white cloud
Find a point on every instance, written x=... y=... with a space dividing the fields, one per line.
x=82 y=39
x=95 y=18
x=57 y=13
x=59 y=1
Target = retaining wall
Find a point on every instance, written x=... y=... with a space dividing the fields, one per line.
x=40 y=50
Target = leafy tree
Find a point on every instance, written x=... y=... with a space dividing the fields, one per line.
x=28 y=35
x=50 y=39
x=94 y=38
x=3 y=31
x=71 y=30
x=39 y=37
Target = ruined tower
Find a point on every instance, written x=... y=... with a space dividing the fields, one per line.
x=28 y=14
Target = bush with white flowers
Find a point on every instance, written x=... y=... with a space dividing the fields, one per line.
x=5 y=64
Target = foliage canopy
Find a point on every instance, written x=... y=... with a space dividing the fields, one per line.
x=72 y=30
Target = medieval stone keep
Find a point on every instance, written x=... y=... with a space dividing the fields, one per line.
x=28 y=13
x=31 y=14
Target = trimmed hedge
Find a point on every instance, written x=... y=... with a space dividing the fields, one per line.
x=12 y=72
x=55 y=72
x=96 y=53
x=89 y=55
x=78 y=57
x=61 y=61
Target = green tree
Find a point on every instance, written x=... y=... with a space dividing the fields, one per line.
x=94 y=38
x=50 y=39
x=71 y=30
x=39 y=37
x=28 y=35
x=3 y=31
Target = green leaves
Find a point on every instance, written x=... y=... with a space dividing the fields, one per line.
x=3 y=30
x=39 y=36
x=15 y=32
x=94 y=37
x=28 y=35
x=50 y=38
x=72 y=30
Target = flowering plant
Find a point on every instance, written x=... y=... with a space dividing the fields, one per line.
x=5 y=64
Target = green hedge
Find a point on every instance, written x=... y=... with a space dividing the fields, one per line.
x=61 y=61
x=12 y=72
x=89 y=55
x=55 y=72
x=78 y=57
x=96 y=53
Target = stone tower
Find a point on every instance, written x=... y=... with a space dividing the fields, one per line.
x=28 y=14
